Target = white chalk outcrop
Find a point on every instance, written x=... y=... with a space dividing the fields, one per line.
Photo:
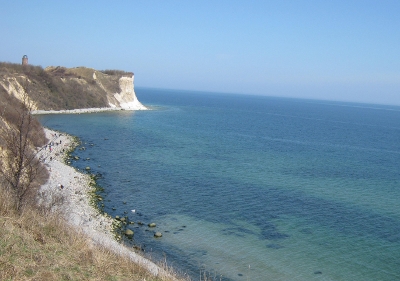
x=16 y=89
x=127 y=98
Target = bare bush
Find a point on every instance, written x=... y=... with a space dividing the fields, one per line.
x=20 y=170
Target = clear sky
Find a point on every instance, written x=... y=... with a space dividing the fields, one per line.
x=338 y=50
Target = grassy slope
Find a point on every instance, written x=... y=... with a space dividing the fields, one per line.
x=38 y=247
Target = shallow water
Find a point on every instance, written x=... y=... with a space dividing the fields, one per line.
x=252 y=188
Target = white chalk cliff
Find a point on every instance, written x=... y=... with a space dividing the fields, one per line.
x=127 y=98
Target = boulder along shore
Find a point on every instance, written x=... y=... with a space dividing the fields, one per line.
x=71 y=190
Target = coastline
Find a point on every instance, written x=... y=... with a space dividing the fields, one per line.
x=74 y=188
x=85 y=110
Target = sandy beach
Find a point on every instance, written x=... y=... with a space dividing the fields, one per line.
x=75 y=187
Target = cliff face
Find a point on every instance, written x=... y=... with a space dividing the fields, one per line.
x=60 y=88
x=125 y=97
x=13 y=87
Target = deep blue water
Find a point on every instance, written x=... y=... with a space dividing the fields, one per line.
x=251 y=187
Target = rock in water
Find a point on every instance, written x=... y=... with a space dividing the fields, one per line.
x=129 y=233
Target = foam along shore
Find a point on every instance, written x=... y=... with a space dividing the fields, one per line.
x=86 y=110
x=74 y=187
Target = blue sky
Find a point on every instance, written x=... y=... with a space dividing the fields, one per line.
x=335 y=50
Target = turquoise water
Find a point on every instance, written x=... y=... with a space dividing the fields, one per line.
x=252 y=188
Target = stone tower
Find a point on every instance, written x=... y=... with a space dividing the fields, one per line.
x=25 y=60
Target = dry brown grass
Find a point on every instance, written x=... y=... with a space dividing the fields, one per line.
x=34 y=246
x=57 y=88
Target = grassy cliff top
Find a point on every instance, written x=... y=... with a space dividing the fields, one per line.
x=58 y=88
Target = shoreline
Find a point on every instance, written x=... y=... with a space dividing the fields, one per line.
x=85 y=110
x=74 y=188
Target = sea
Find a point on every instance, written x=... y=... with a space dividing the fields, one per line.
x=250 y=188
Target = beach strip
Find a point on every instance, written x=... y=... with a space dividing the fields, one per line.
x=74 y=187
x=81 y=110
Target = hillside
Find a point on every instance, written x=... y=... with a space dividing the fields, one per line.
x=60 y=88
x=37 y=241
